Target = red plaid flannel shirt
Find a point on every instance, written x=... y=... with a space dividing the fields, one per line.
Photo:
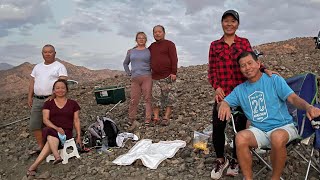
x=224 y=70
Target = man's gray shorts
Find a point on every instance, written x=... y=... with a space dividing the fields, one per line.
x=263 y=138
x=36 y=114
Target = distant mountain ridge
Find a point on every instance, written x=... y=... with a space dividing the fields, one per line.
x=5 y=66
x=288 y=57
x=15 y=81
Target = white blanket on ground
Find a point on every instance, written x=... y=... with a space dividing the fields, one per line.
x=151 y=154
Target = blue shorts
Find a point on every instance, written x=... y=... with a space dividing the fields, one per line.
x=263 y=138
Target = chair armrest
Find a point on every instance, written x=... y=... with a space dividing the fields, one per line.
x=315 y=124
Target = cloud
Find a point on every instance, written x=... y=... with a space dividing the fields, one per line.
x=193 y=7
x=95 y=60
x=289 y=19
x=87 y=3
x=101 y=31
x=83 y=21
x=22 y=15
x=16 y=54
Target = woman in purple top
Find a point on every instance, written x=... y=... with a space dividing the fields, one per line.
x=141 y=81
x=60 y=115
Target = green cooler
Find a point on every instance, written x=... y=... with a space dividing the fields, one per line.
x=109 y=95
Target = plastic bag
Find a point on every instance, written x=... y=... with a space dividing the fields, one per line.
x=208 y=130
x=200 y=141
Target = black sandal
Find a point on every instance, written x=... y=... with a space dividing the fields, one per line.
x=156 y=121
x=35 y=152
x=129 y=123
x=31 y=172
x=165 y=122
x=57 y=161
x=147 y=122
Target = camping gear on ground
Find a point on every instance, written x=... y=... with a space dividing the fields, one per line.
x=257 y=52
x=150 y=154
x=110 y=95
x=65 y=154
x=200 y=141
x=122 y=138
x=306 y=87
x=102 y=132
x=5 y=125
x=317 y=41
x=71 y=82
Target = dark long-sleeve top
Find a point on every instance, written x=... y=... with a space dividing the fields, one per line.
x=164 y=59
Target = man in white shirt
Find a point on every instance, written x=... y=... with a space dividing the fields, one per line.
x=43 y=76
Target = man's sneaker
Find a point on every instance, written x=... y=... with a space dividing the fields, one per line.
x=218 y=168
x=233 y=169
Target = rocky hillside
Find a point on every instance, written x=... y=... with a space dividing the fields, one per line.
x=15 y=81
x=291 y=57
x=192 y=113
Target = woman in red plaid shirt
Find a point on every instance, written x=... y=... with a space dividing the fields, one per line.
x=224 y=75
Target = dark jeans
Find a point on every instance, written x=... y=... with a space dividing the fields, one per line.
x=218 y=130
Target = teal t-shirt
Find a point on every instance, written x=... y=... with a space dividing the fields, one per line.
x=263 y=102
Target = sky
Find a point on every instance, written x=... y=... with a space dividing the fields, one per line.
x=97 y=33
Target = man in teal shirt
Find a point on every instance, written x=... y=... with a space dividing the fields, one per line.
x=263 y=100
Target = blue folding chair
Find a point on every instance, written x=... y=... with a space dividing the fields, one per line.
x=306 y=87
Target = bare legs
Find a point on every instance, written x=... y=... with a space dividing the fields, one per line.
x=50 y=146
x=279 y=139
x=38 y=135
x=156 y=112
x=246 y=140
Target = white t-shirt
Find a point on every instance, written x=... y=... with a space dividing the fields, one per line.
x=45 y=76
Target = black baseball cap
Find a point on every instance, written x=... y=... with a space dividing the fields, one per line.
x=234 y=13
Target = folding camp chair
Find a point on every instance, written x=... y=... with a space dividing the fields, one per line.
x=306 y=87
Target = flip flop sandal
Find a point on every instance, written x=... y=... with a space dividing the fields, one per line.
x=57 y=161
x=147 y=122
x=31 y=173
x=128 y=124
x=35 y=151
x=156 y=121
x=165 y=122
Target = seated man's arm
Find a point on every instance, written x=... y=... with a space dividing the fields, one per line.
x=311 y=111
x=232 y=100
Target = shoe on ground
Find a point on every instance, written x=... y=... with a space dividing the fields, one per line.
x=233 y=169
x=218 y=168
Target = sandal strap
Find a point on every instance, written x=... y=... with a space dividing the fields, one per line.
x=31 y=172
x=165 y=122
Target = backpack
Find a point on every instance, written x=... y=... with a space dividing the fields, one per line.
x=102 y=132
